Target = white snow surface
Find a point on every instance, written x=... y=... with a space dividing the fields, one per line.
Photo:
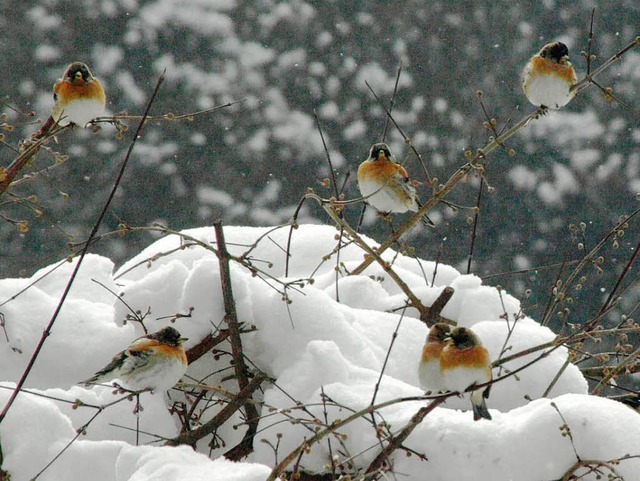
x=313 y=345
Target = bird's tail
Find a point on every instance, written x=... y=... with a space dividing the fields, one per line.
x=425 y=218
x=426 y=221
x=479 y=406
x=97 y=378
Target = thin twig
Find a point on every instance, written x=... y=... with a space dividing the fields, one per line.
x=168 y=116
x=531 y=269
x=384 y=364
x=334 y=182
x=337 y=196
x=622 y=275
x=566 y=430
x=555 y=379
x=393 y=99
x=551 y=300
x=294 y=225
x=134 y=315
x=474 y=231
x=589 y=258
x=326 y=423
x=404 y=136
x=82 y=430
x=590 y=43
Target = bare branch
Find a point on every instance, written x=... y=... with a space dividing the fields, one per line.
x=241 y=370
x=240 y=400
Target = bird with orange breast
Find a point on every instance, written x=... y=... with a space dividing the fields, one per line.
x=429 y=368
x=548 y=77
x=78 y=95
x=385 y=184
x=153 y=362
x=464 y=363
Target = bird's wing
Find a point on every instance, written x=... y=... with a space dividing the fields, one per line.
x=110 y=369
x=402 y=179
x=121 y=365
x=56 y=89
x=401 y=171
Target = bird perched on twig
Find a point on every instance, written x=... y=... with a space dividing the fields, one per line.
x=78 y=95
x=465 y=363
x=385 y=184
x=153 y=362
x=548 y=77
x=429 y=367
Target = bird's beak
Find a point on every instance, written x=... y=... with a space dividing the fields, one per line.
x=381 y=155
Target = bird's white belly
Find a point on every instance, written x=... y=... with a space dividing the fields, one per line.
x=549 y=91
x=459 y=379
x=430 y=377
x=160 y=375
x=382 y=197
x=80 y=112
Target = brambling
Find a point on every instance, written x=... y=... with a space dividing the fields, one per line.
x=153 y=362
x=429 y=367
x=385 y=184
x=465 y=363
x=548 y=77
x=79 y=97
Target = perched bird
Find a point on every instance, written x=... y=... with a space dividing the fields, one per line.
x=385 y=183
x=465 y=363
x=79 y=97
x=548 y=77
x=153 y=362
x=429 y=367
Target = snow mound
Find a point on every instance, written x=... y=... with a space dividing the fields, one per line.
x=333 y=343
